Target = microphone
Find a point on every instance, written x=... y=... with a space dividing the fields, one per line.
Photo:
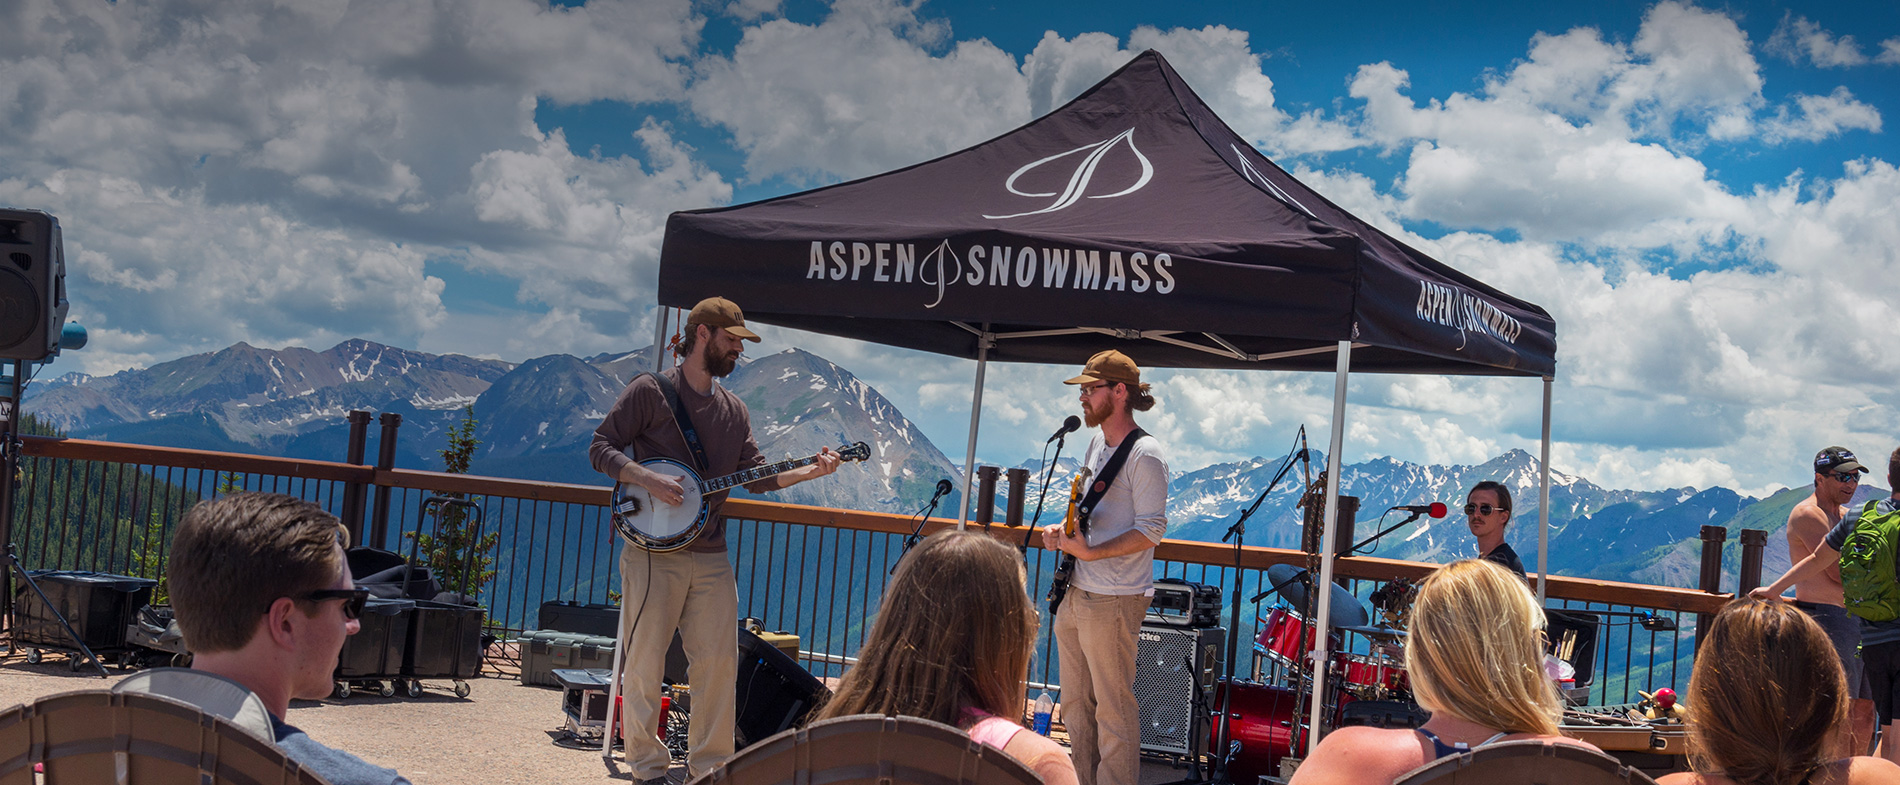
x=1435 y=509
x=944 y=487
x=1068 y=427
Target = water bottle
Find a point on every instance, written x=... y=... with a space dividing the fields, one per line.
x=1044 y=706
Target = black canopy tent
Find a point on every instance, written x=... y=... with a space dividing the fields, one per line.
x=1131 y=218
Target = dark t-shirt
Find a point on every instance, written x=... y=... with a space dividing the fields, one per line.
x=337 y=766
x=1506 y=557
x=642 y=419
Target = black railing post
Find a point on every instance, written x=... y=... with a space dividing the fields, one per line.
x=986 y=495
x=1018 y=488
x=1753 y=540
x=353 y=491
x=385 y=459
x=1711 y=579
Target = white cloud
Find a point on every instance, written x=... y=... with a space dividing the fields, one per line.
x=1797 y=37
x=856 y=94
x=280 y=172
x=1889 y=52
x=750 y=10
x=1821 y=116
x=140 y=256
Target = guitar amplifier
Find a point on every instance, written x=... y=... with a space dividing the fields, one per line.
x=1169 y=659
x=1187 y=604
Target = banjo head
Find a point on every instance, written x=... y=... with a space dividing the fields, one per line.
x=655 y=525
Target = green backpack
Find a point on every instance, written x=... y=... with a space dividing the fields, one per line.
x=1868 y=580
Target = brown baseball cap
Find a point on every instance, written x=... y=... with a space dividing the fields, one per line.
x=1108 y=366
x=723 y=313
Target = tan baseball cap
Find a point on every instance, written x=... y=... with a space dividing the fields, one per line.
x=723 y=313
x=1108 y=366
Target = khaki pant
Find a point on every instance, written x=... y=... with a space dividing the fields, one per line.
x=1096 y=640
x=695 y=594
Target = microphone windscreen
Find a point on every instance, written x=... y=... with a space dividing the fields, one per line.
x=1439 y=510
x=1069 y=425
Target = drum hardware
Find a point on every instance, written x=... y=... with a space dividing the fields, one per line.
x=1219 y=732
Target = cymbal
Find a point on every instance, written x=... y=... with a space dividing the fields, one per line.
x=1378 y=633
x=1294 y=583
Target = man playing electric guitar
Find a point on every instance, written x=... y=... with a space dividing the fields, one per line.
x=1101 y=614
x=691 y=590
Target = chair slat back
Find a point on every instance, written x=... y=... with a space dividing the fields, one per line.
x=1527 y=762
x=106 y=737
x=867 y=749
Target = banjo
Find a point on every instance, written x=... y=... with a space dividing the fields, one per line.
x=662 y=527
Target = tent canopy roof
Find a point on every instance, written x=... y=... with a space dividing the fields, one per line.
x=1131 y=218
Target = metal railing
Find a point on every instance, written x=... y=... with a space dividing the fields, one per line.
x=817 y=572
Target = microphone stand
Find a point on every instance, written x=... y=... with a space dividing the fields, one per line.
x=1394 y=527
x=915 y=534
x=1048 y=473
x=1238 y=533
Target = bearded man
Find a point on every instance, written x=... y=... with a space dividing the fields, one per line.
x=691 y=590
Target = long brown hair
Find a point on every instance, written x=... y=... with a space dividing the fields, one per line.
x=1767 y=695
x=954 y=632
x=1476 y=652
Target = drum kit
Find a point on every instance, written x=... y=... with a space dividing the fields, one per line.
x=1366 y=681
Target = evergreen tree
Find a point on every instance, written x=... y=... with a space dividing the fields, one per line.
x=446 y=551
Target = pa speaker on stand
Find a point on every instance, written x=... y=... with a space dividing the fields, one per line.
x=32 y=285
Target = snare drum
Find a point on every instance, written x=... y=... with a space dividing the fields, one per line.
x=1280 y=637
x=1262 y=721
x=1373 y=676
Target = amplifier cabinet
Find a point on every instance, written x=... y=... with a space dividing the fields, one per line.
x=1165 y=680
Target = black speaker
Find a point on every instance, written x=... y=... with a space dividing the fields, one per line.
x=1168 y=660
x=32 y=285
x=774 y=692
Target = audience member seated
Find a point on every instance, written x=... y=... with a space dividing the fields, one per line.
x=952 y=644
x=262 y=593
x=1765 y=702
x=1475 y=657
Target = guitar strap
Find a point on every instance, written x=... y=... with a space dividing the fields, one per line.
x=1106 y=478
x=680 y=419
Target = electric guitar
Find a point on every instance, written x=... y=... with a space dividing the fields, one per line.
x=1065 y=567
x=661 y=527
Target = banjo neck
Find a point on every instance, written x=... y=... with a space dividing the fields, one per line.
x=744 y=476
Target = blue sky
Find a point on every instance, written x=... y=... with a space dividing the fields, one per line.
x=1700 y=194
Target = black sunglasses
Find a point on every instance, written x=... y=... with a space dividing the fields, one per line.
x=1483 y=509
x=1848 y=477
x=353 y=599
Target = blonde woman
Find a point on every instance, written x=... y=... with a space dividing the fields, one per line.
x=951 y=644
x=1475 y=657
x=1769 y=698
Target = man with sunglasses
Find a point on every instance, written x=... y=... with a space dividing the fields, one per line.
x=1487 y=512
x=1100 y=618
x=263 y=595
x=1815 y=553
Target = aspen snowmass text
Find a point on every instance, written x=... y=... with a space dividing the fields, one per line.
x=999 y=265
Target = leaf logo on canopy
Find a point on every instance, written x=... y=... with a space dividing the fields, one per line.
x=1253 y=175
x=1081 y=177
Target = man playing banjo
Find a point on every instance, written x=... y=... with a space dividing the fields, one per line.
x=690 y=589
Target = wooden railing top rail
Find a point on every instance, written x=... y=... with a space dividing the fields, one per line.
x=1580 y=589
x=1561 y=587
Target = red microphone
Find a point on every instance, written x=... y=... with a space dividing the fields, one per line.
x=1435 y=509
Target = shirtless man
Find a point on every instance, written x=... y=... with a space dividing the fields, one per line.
x=1836 y=477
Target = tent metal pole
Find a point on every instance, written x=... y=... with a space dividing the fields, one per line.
x=1543 y=503
x=658 y=361
x=983 y=343
x=1327 y=536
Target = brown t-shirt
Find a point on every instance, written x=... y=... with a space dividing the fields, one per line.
x=642 y=419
